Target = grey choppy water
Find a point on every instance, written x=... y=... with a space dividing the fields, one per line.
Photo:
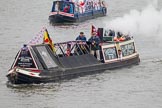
x=137 y=86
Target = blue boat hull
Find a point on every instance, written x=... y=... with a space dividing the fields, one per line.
x=60 y=19
x=78 y=17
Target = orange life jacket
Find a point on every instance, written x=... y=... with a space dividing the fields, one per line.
x=119 y=39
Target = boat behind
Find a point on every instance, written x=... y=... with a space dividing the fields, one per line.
x=75 y=13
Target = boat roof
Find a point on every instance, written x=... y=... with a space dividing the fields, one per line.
x=42 y=57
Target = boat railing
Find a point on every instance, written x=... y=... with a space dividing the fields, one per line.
x=71 y=48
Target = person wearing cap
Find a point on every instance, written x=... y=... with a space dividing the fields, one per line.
x=81 y=37
x=94 y=40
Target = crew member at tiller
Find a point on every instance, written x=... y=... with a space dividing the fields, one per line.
x=95 y=41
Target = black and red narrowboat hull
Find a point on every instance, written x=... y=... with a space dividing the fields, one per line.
x=52 y=75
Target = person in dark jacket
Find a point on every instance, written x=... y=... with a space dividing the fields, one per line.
x=80 y=48
x=81 y=37
x=95 y=41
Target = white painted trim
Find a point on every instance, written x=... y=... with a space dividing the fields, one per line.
x=32 y=74
x=31 y=56
x=33 y=60
x=115 y=45
x=123 y=58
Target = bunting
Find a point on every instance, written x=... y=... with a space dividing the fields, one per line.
x=36 y=39
x=43 y=34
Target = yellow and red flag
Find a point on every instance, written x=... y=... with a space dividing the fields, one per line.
x=48 y=40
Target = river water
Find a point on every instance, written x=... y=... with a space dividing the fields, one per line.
x=138 y=86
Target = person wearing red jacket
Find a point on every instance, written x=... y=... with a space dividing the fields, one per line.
x=66 y=8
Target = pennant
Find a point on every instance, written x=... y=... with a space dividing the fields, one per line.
x=48 y=40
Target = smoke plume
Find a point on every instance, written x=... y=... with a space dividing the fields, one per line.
x=147 y=22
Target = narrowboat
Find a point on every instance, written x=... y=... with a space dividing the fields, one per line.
x=40 y=63
x=71 y=12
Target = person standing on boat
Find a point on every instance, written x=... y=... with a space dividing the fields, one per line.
x=80 y=49
x=81 y=37
x=95 y=41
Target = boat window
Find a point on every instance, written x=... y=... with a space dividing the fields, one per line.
x=110 y=53
x=57 y=6
x=128 y=49
x=68 y=7
x=63 y=7
x=46 y=56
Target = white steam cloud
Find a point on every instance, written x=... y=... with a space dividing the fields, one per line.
x=147 y=22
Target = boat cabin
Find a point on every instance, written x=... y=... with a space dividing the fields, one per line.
x=118 y=50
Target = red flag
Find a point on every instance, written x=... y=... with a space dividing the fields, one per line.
x=94 y=29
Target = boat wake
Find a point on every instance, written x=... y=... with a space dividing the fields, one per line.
x=33 y=86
